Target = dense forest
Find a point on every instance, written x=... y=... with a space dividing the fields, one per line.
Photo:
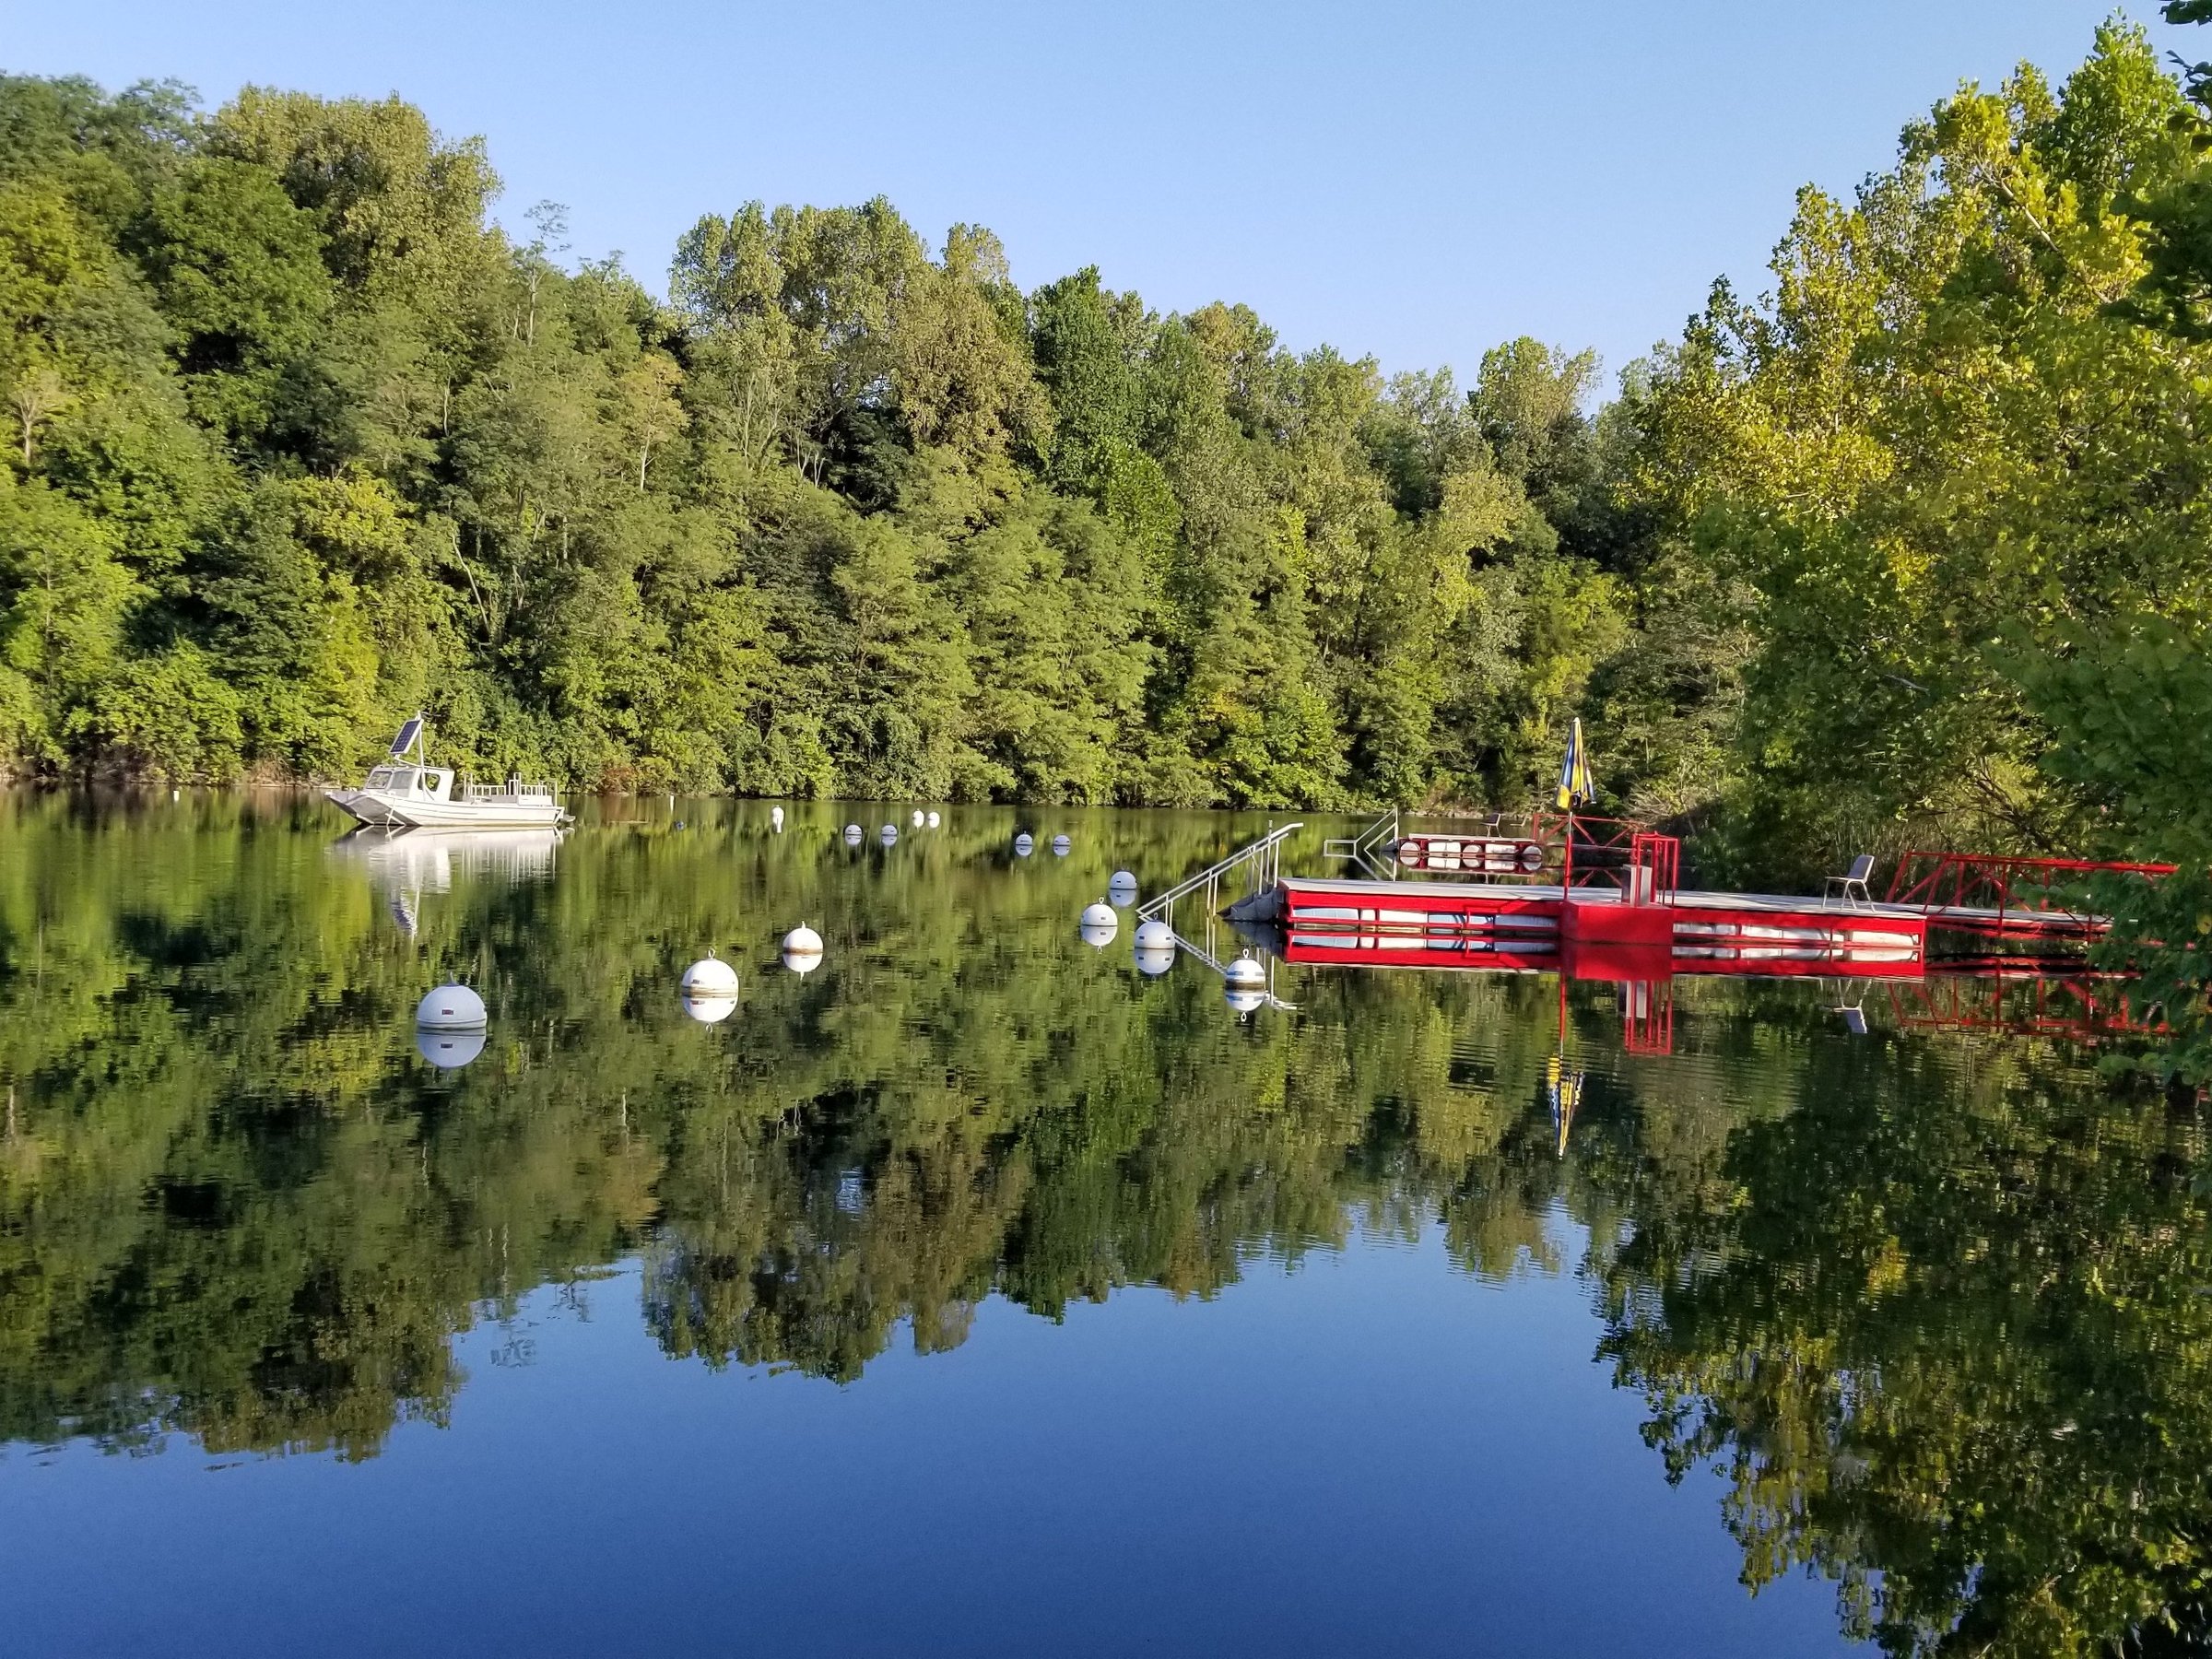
x=302 y=442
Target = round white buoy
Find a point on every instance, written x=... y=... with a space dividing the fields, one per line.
x=1246 y=974
x=1155 y=935
x=1153 y=963
x=451 y=1008
x=775 y=819
x=1059 y=846
x=919 y=819
x=449 y=1051
x=802 y=941
x=932 y=820
x=1100 y=924
x=1024 y=844
x=710 y=976
x=1122 y=878
x=852 y=835
x=1241 y=1001
x=1121 y=891
x=888 y=834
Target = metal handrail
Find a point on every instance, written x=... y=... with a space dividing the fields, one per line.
x=1264 y=855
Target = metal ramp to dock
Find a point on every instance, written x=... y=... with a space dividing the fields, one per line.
x=1259 y=863
x=1256 y=868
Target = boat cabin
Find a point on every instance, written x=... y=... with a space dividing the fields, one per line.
x=411 y=782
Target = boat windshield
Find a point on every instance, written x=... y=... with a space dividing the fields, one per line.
x=407 y=779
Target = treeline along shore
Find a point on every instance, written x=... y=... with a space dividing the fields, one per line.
x=1913 y=548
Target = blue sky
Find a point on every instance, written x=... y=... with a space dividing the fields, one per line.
x=1417 y=180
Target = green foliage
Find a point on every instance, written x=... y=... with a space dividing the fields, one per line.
x=1941 y=500
x=298 y=436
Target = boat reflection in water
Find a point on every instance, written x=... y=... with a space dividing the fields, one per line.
x=405 y=864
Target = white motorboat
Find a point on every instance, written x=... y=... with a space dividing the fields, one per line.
x=405 y=792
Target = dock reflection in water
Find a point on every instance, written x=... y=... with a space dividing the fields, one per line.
x=995 y=1271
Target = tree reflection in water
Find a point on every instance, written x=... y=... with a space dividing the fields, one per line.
x=1934 y=1305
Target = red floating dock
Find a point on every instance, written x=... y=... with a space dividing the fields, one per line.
x=1437 y=923
x=1600 y=898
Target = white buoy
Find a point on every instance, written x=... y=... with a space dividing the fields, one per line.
x=1024 y=844
x=1121 y=891
x=932 y=820
x=775 y=819
x=802 y=949
x=709 y=989
x=451 y=1008
x=1246 y=974
x=888 y=834
x=1122 y=878
x=449 y=1051
x=852 y=835
x=1242 y=1002
x=918 y=820
x=710 y=976
x=1099 y=924
x=1059 y=846
x=1155 y=935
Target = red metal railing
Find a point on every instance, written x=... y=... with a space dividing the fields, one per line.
x=1654 y=867
x=1584 y=851
x=1571 y=848
x=1996 y=893
x=1591 y=849
x=2030 y=1001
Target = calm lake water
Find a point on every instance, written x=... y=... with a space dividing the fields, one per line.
x=976 y=1293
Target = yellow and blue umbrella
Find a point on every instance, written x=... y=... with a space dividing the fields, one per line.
x=1575 y=787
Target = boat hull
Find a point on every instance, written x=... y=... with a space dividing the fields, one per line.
x=392 y=812
x=362 y=807
x=477 y=815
